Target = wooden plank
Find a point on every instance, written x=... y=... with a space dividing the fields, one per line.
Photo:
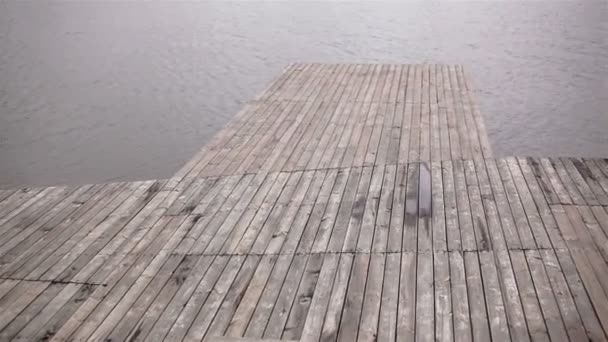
x=331 y=322
x=39 y=247
x=79 y=228
x=444 y=327
x=512 y=298
x=517 y=209
x=365 y=136
x=410 y=226
x=32 y=227
x=497 y=317
x=406 y=319
x=414 y=133
x=296 y=231
x=374 y=82
x=425 y=115
x=91 y=244
x=6 y=285
x=592 y=285
x=93 y=312
x=257 y=150
x=368 y=226
x=383 y=219
x=544 y=182
x=314 y=221
x=395 y=110
x=594 y=176
x=546 y=298
x=569 y=312
x=44 y=325
x=17 y=299
x=465 y=219
x=459 y=111
x=477 y=303
x=602 y=218
x=201 y=322
x=149 y=266
x=173 y=322
x=4 y=194
x=375 y=140
x=468 y=116
x=385 y=130
x=311 y=330
x=253 y=298
x=529 y=300
x=387 y=325
x=507 y=222
x=574 y=172
x=351 y=314
x=370 y=315
x=460 y=301
x=541 y=237
x=451 y=210
x=313 y=123
x=504 y=307
x=356 y=217
x=31 y=210
x=151 y=303
x=176 y=266
x=583 y=236
x=425 y=304
x=480 y=224
x=406 y=122
x=311 y=280
x=253 y=226
x=560 y=191
x=361 y=113
x=452 y=123
x=584 y=306
x=493 y=224
x=280 y=232
x=348 y=121
x=294 y=187
x=303 y=152
x=21 y=320
x=272 y=312
x=263 y=195
x=434 y=130
x=593 y=228
x=18 y=201
x=336 y=241
x=329 y=217
x=425 y=208
x=242 y=139
x=567 y=181
x=541 y=203
x=133 y=236
x=395 y=234
x=221 y=320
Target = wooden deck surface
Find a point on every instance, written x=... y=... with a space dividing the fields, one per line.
x=346 y=202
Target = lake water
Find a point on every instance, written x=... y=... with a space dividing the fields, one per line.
x=95 y=92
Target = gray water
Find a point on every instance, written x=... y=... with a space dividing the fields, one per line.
x=95 y=92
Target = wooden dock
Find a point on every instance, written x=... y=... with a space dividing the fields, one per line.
x=345 y=202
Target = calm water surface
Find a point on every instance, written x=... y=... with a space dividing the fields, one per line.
x=94 y=92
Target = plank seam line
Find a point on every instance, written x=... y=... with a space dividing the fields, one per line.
x=290 y=100
x=417 y=161
x=372 y=252
x=66 y=282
